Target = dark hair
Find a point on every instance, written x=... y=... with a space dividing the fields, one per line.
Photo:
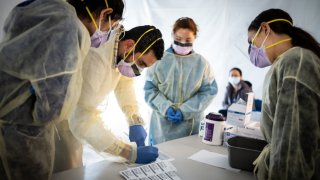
x=236 y=69
x=146 y=40
x=185 y=23
x=299 y=37
x=96 y=6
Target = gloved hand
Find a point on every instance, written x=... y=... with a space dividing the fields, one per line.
x=179 y=116
x=170 y=112
x=137 y=134
x=174 y=116
x=146 y=154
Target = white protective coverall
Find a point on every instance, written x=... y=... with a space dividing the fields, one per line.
x=291 y=117
x=101 y=77
x=41 y=59
x=184 y=82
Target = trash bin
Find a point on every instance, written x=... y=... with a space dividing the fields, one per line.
x=243 y=151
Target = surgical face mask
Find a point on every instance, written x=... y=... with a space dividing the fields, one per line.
x=181 y=48
x=234 y=80
x=129 y=69
x=132 y=69
x=99 y=37
x=258 y=56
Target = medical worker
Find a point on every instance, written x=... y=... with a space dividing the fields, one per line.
x=291 y=97
x=100 y=20
x=179 y=87
x=41 y=59
x=111 y=68
x=100 y=17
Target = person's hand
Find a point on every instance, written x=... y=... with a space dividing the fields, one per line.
x=178 y=116
x=171 y=113
x=146 y=154
x=174 y=116
x=137 y=134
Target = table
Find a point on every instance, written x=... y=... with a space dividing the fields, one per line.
x=179 y=149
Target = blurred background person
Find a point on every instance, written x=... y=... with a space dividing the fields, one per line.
x=237 y=88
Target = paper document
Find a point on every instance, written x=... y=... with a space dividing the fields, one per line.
x=162 y=157
x=213 y=159
x=163 y=170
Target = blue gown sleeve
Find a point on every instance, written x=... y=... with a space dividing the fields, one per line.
x=153 y=96
x=201 y=99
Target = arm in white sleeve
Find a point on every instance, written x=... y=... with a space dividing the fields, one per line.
x=126 y=98
x=87 y=126
x=86 y=123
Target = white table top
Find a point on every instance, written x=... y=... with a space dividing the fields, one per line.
x=179 y=149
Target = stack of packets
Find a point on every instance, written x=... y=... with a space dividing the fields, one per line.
x=252 y=130
x=162 y=170
x=239 y=113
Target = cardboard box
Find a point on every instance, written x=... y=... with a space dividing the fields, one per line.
x=255 y=116
x=239 y=114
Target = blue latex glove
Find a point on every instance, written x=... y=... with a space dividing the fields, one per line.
x=146 y=154
x=178 y=116
x=137 y=134
x=171 y=114
x=174 y=116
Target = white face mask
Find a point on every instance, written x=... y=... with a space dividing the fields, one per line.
x=234 y=80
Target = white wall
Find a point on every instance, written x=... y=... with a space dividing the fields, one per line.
x=222 y=36
x=223 y=27
x=5 y=8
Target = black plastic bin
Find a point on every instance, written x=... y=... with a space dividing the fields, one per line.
x=242 y=151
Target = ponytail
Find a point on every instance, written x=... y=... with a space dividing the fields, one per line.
x=281 y=22
x=305 y=40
